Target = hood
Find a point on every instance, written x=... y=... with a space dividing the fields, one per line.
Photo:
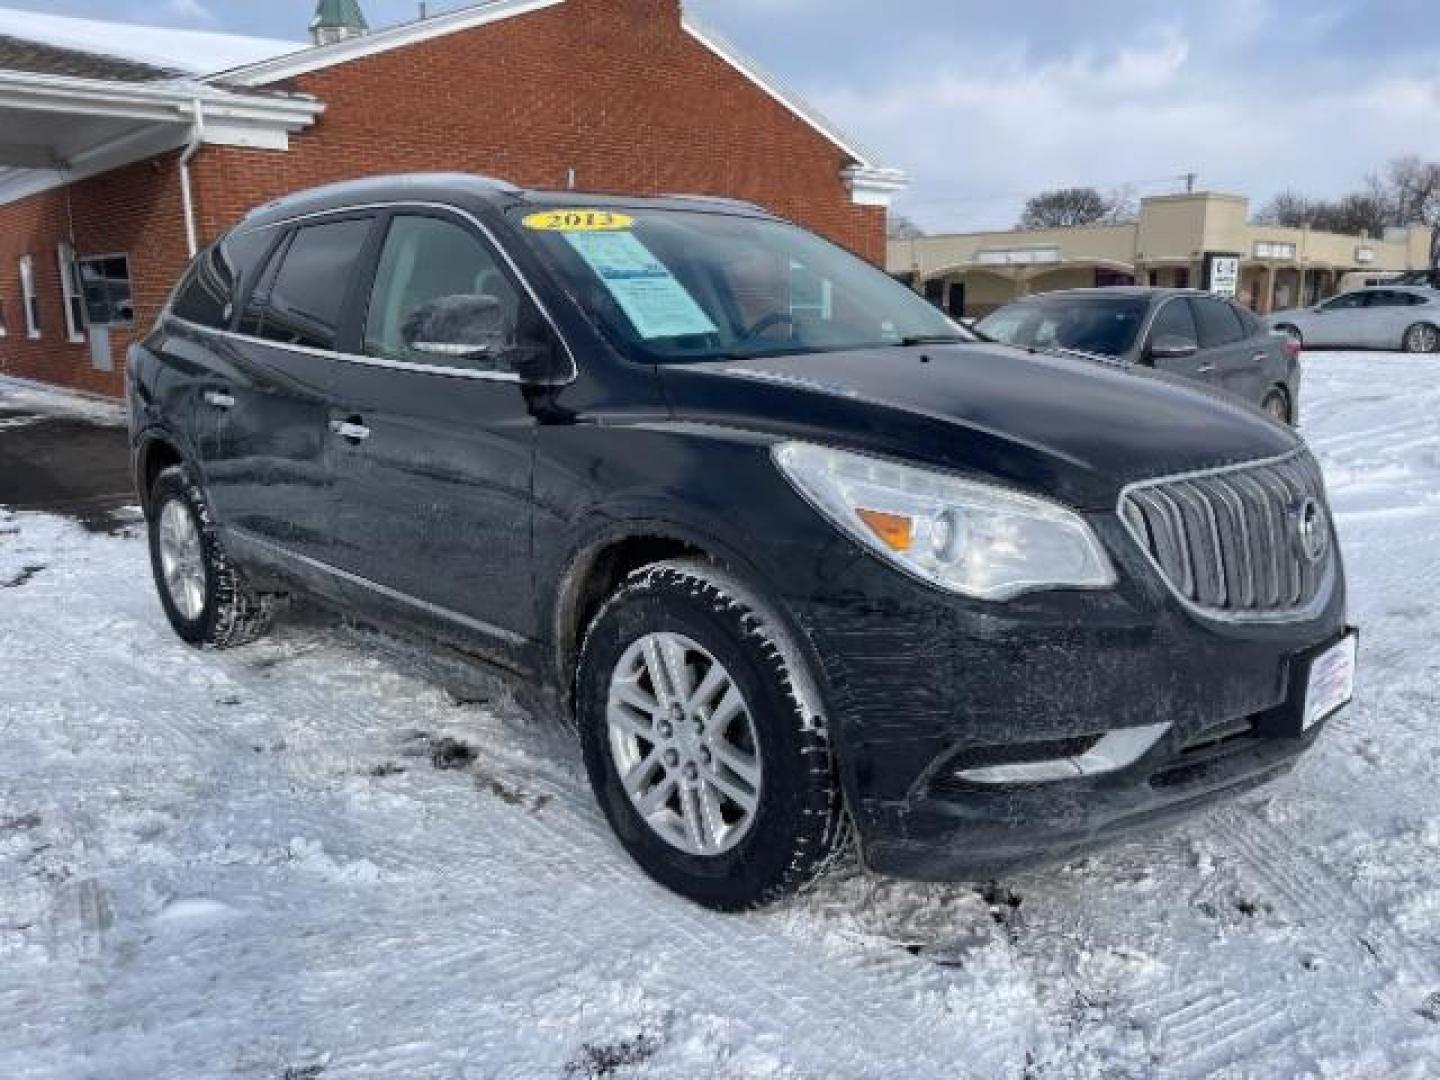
x=1069 y=427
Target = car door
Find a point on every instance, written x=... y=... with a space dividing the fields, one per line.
x=268 y=474
x=432 y=450
x=1337 y=322
x=1174 y=324
x=1226 y=357
x=1387 y=316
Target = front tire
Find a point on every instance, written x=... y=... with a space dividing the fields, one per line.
x=1277 y=406
x=205 y=597
x=703 y=741
x=1421 y=338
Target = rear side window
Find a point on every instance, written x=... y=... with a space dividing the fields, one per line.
x=1247 y=320
x=1218 y=323
x=207 y=294
x=302 y=303
x=1174 y=321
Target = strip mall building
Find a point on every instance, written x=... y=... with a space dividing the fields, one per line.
x=1175 y=240
x=123 y=149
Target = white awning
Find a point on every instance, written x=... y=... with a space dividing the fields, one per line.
x=58 y=128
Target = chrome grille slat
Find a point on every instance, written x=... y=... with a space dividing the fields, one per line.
x=1226 y=541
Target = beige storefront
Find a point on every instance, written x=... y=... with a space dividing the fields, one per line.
x=1177 y=240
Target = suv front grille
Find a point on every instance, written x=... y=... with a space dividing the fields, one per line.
x=1229 y=541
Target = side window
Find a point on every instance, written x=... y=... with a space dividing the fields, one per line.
x=207 y=294
x=1217 y=322
x=1348 y=302
x=1174 y=320
x=1248 y=322
x=304 y=302
x=441 y=299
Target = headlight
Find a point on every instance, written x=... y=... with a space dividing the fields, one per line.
x=963 y=536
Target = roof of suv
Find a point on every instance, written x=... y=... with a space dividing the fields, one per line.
x=471 y=187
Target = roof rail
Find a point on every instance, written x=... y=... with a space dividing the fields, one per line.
x=717 y=200
x=359 y=186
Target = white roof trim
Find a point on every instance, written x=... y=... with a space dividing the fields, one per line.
x=315 y=58
x=772 y=86
x=167 y=101
x=159 y=117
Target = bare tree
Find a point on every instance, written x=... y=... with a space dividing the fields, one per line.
x=1412 y=188
x=1289 y=209
x=1065 y=208
x=901 y=227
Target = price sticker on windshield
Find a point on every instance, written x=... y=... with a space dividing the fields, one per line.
x=579 y=221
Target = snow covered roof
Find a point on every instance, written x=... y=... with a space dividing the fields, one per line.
x=192 y=52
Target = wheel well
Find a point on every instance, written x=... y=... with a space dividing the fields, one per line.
x=594 y=577
x=157 y=456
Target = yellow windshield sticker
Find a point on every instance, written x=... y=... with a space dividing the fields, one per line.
x=579 y=221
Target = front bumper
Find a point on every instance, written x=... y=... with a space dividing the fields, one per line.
x=921 y=686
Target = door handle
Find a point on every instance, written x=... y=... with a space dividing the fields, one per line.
x=219 y=399
x=349 y=429
x=1260 y=357
x=1205 y=369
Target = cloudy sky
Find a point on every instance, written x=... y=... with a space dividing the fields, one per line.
x=983 y=103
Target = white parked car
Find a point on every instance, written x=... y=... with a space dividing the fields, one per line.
x=1389 y=317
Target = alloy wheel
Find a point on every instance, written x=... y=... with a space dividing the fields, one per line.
x=1422 y=339
x=684 y=744
x=182 y=559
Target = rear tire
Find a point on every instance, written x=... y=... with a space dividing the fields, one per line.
x=1277 y=406
x=1421 y=338
x=731 y=840
x=205 y=597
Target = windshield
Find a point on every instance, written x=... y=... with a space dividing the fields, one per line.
x=671 y=286
x=1106 y=326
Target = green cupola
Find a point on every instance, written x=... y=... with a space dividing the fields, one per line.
x=337 y=20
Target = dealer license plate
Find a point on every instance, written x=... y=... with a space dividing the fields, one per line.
x=1331 y=684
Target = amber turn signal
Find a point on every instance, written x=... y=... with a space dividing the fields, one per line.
x=896 y=530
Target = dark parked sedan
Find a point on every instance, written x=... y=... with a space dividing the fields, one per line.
x=1182 y=331
x=803 y=561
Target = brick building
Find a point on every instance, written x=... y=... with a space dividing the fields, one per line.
x=122 y=148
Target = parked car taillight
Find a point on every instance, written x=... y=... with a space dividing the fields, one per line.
x=1292 y=348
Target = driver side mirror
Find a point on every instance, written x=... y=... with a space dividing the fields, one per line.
x=458 y=328
x=1171 y=347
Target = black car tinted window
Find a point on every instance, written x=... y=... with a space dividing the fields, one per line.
x=1105 y=325
x=1347 y=302
x=1217 y=322
x=207 y=295
x=305 y=301
x=1174 y=320
x=427 y=264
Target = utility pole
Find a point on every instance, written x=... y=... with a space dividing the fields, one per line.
x=1190 y=179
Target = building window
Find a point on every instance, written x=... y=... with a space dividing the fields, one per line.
x=27 y=296
x=1020 y=256
x=1274 y=249
x=105 y=287
x=70 y=294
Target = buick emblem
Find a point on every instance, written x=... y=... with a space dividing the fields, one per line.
x=1312 y=537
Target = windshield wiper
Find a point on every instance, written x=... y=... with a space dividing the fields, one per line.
x=1084 y=354
x=934 y=339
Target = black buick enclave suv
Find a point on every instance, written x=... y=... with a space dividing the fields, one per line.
x=795 y=550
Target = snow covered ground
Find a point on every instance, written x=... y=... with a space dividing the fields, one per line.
x=272 y=863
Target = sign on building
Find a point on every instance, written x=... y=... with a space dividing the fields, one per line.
x=1222 y=273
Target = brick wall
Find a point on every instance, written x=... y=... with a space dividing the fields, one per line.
x=134 y=210
x=613 y=89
